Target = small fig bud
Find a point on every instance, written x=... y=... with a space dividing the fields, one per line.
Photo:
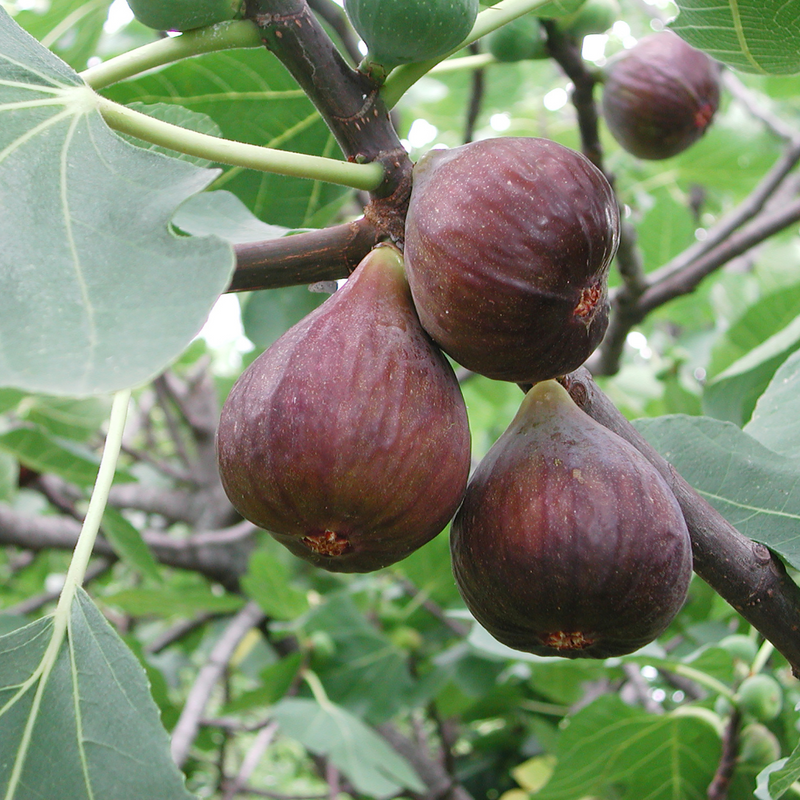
x=508 y=243
x=569 y=542
x=660 y=96
x=348 y=438
x=522 y=38
x=761 y=697
x=758 y=745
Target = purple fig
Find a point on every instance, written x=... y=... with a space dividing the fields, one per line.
x=508 y=243
x=348 y=438
x=569 y=542
x=660 y=96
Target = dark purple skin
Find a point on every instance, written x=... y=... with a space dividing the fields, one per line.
x=660 y=96
x=508 y=244
x=568 y=542
x=348 y=438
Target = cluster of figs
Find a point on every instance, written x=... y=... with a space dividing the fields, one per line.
x=348 y=439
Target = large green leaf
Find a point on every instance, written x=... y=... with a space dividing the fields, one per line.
x=358 y=751
x=755 y=489
x=86 y=729
x=610 y=749
x=252 y=98
x=96 y=292
x=733 y=394
x=776 y=419
x=761 y=36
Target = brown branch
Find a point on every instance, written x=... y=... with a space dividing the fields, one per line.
x=322 y=255
x=746 y=574
x=478 y=80
x=718 y=789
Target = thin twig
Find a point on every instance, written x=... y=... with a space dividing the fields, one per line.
x=262 y=741
x=718 y=789
x=211 y=672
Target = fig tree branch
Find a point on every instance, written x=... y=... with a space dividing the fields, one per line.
x=188 y=725
x=745 y=573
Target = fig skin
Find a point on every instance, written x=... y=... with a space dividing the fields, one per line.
x=348 y=439
x=508 y=243
x=660 y=96
x=568 y=542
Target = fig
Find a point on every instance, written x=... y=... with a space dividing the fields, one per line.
x=761 y=697
x=660 y=96
x=522 y=38
x=593 y=17
x=740 y=647
x=402 y=31
x=184 y=15
x=508 y=243
x=347 y=439
x=569 y=542
x=758 y=745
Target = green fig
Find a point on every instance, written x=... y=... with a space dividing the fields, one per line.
x=569 y=542
x=761 y=697
x=347 y=439
x=660 y=96
x=184 y=15
x=593 y=17
x=758 y=745
x=521 y=39
x=403 y=31
x=508 y=244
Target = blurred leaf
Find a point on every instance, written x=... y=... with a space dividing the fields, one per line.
x=359 y=752
x=534 y=773
x=267 y=315
x=128 y=544
x=93 y=712
x=72 y=419
x=10 y=399
x=774 y=781
x=112 y=296
x=224 y=215
x=428 y=569
x=366 y=673
x=733 y=394
x=171 y=601
x=776 y=418
x=610 y=748
x=41 y=452
x=755 y=489
x=276 y=680
x=252 y=98
x=763 y=319
x=761 y=36
x=267 y=582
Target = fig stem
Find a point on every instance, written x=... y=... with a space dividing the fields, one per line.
x=743 y=572
x=762 y=656
x=223 y=36
x=224 y=151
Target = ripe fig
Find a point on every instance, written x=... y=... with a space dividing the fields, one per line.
x=660 y=96
x=347 y=439
x=184 y=15
x=522 y=38
x=402 y=31
x=508 y=243
x=568 y=542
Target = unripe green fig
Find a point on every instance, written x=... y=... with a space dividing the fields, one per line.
x=508 y=244
x=593 y=17
x=184 y=15
x=758 y=745
x=761 y=697
x=518 y=40
x=740 y=646
x=402 y=31
x=569 y=542
x=660 y=96
x=347 y=439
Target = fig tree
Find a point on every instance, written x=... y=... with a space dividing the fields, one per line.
x=402 y=31
x=508 y=244
x=518 y=40
x=184 y=15
x=347 y=439
x=660 y=96
x=569 y=542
